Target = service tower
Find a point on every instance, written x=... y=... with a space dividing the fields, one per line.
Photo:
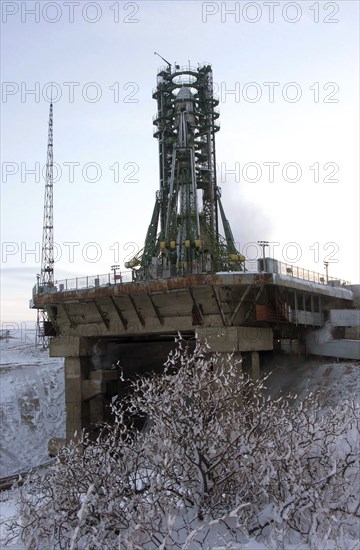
x=183 y=236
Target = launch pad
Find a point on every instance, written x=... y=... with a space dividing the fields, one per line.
x=189 y=278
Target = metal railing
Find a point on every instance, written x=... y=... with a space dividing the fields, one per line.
x=267 y=265
x=176 y=68
x=270 y=265
x=83 y=283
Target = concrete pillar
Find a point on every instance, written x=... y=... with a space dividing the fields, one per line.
x=216 y=369
x=85 y=388
x=251 y=364
x=102 y=385
x=87 y=395
x=77 y=410
x=255 y=366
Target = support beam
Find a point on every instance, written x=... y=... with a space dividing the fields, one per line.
x=119 y=312
x=52 y=318
x=66 y=311
x=312 y=307
x=196 y=306
x=136 y=309
x=252 y=305
x=102 y=315
x=156 y=309
x=217 y=299
x=239 y=304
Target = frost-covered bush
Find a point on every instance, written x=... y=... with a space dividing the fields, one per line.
x=217 y=463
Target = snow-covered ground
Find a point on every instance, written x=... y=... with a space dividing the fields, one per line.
x=292 y=374
x=32 y=403
x=32 y=409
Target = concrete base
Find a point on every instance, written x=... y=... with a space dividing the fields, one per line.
x=233 y=339
x=136 y=323
x=251 y=364
x=91 y=380
x=87 y=391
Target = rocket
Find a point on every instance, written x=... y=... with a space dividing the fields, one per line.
x=185 y=118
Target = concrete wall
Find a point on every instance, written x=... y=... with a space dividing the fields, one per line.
x=301 y=317
x=345 y=317
x=344 y=349
x=71 y=346
x=352 y=333
x=229 y=339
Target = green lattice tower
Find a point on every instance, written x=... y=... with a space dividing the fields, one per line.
x=183 y=236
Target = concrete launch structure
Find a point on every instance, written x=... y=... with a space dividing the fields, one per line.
x=189 y=277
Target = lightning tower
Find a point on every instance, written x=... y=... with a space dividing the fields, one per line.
x=46 y=276
x=184 y=234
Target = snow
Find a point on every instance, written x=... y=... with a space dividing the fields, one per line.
x=32 y=411
x=32 y=407
x=340 y=381
x=8 y=510
x=32 y=403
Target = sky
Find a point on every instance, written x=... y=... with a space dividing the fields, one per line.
x=287 y=77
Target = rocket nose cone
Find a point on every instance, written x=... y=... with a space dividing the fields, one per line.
x=184 y=94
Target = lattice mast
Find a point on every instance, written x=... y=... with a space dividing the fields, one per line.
x=46 y=277
x=183 y=236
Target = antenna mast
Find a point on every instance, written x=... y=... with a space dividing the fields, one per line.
x=46 y=277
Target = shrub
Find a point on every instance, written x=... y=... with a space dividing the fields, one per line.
x=216 y=462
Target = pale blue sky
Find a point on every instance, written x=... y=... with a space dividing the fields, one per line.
x=107 y=132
